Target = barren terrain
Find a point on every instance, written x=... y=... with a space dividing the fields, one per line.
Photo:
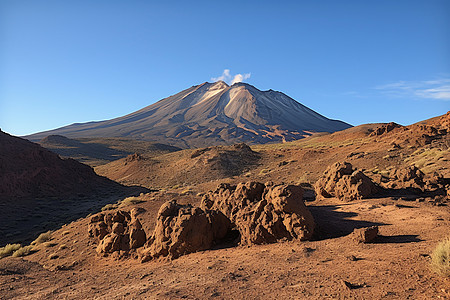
x=332 y=265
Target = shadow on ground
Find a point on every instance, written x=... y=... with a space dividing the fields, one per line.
x=397 y=239
x=331 y=223
x=23 y=219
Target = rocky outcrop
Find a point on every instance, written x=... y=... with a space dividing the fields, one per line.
x=413 y=178
x=340 y=180
x=385 y=128
x=117 y=231
x=183 y=229
x=409 y=177
x=263 y=213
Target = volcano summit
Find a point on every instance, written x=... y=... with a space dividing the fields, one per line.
x=211 y=114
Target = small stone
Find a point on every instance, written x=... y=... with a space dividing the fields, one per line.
x=365 y=235
x=352 y=258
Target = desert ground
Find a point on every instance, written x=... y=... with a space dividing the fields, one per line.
x=412 y=215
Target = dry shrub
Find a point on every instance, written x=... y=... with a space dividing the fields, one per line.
x=130 y=201
x=109 y=207
x=42 y=238
x=8 y=250
x=440 y=258
x=23 y=251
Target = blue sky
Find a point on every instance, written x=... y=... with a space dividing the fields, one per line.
x=63 y=62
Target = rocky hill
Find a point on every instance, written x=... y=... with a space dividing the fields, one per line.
x=39 y=190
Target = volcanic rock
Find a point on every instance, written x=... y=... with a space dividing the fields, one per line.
x=385 y=128
x=116 y=231
x=183 y=229
x=263 y=213
x=365 y=235
x=409 y=177
x=342 y=181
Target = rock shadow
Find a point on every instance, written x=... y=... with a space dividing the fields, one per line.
x=23 y=219
x=397 y=239
x=331 y=223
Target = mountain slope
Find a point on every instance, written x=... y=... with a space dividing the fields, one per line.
x=211 y=114
x=29 y=170
x=98 y=151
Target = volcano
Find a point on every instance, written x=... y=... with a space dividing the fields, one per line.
x=211 y=114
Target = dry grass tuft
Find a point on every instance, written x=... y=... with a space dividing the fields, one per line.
x=23 y=251
x=440 y=258
x=42 y=238
x=8 y=250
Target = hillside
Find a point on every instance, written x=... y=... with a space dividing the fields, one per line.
x=98 y=151
x=39 y=190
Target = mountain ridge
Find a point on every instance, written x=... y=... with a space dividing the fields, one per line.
x=211 y=114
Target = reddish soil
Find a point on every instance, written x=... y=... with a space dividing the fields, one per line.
x=396 y=265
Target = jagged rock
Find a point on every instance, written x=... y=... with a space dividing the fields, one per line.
x=385 y=129
x=365 y=235
x=444 y=121
x=342 y=181
x=183 y=229
x=117 y=231
x=136 y=211
x=263 y=213
x=409 y=177
x=98 y=230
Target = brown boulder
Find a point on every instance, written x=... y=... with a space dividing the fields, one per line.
x=183 y=229
x=342 y=181
x=365 y=235
x=117 y=232
x=409 y=177
x=385 y=128
x=98 y=230
x=263 y=214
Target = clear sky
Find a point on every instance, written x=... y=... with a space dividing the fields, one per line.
x=63 y=62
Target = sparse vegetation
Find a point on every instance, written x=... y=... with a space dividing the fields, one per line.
x=123 y=203
x=130 y=201
x=16 y=250
x=440 y=258
x=425 y=159
x=186 y=191
x=23 y=251
x=49 y=244
x=109 y=207
x=42 y=238
x=264 y=171
x=8 y=250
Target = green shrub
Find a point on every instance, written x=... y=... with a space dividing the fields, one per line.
x=23 y=251
x=8 y=250
x=440 y=258
x=42 y=238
